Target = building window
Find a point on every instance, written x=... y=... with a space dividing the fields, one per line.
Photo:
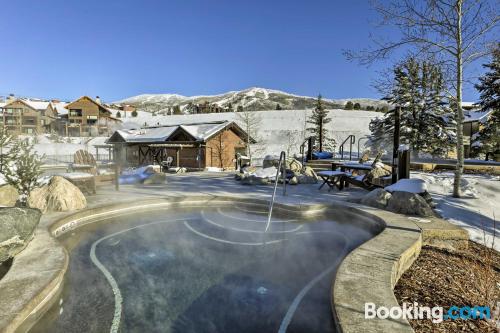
x=75 y=112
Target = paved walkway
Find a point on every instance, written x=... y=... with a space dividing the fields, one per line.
x=222 y=184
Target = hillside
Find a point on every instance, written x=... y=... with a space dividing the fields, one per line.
x=253 y=99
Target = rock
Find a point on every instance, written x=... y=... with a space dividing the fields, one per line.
x=270 y=161
x=377 y=198
x=156 y=178
x=58 y=195
x=17 y=226
x=253 y=180
x=293 y=181
x=293 y=165
x=8 y=195
x=265 y=172
x=308 y=171
x=304 y=179
x=409 y=203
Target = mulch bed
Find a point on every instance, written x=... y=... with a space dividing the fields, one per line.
x=444 y=278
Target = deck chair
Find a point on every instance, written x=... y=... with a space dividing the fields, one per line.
x=85 y=162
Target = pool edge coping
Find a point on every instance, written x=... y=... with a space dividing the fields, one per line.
x=344 y=306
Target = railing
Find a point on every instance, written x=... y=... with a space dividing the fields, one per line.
x=352 y=139
x=281 y=165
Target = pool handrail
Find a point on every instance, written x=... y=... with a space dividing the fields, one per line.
x=281 y=165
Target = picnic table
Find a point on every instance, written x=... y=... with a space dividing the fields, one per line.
x=355 y=166
x=332 y=179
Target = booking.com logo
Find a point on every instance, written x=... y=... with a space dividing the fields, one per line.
x=437 y=314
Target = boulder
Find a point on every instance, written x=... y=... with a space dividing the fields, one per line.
x=293 y=181
x=290 y=163
x=17 y=226
x=156 y=178
x=304 y=179
x=377 y=198
x=254 y=180
x=293 y=165
x=409 y=203
x=308 y=171
x=270 y=161
x=8 y=195
x=58 y=195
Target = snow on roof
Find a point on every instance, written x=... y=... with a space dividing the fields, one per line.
x=200 y=131
x=37 y=105
x=204 y=131
x=476 y=115
x=60 y=108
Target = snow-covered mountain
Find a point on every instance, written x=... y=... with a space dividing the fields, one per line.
x=254 y=99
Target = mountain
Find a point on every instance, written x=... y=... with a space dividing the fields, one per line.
x=253 y=99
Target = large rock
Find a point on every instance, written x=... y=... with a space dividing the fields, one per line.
x=17 y=226
x=377 y=198
x=58 y=195
x=274 y=160
x=254 y=180
x=8 y=195
x=409 y=203
x=156 y=178
x=308 y=171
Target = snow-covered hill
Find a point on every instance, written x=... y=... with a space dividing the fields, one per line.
x=254 y=99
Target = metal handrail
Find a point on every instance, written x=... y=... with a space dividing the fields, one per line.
x=341 y=149
x=281 y=165
x=359 y=142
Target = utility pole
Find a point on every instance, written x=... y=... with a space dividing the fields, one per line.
x=397 y=114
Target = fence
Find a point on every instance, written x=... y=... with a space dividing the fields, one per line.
x=66 y=159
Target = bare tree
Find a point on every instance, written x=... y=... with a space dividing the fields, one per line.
x=456 y=32
x=250 y=122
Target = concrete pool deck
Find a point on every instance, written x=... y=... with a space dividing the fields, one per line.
x=367 y=274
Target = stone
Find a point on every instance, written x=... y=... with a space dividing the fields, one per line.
x=308 y=171
x=8 y=195
x=293 y=165
x=58 y=195
x=304 y=179
x=293 y=181
x=270 y=161
x=156 y=178
x=17 y=226
x=409 y=204
x=377 y=198
x=253 y=180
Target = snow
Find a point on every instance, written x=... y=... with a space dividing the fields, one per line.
x=37 y=105
x=408 y=185
x=476 y=211
x=476 y=115
x=279 y=130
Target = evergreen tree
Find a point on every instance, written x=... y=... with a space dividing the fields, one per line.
x=23 y=169
x=357 y=106
x=118 y=114
x=418 y=89
x=349 y=105
x=239 y=108
x=134 y=113
x=318 y=120
x=177 y=109
x=489 y=89
x=5 y=139
x=278 y=106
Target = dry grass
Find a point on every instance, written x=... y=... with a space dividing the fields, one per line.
x=444 y=278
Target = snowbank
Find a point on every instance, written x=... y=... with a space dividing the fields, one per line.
x=477 y=211
x=408 y=185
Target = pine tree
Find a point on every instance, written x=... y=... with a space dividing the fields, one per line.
x=177 y=109
x=418 y=89
x=278 y=106
x=349 y=105
x=5 y=139
x=134 y=113
x=489 y=89
x=318 y=119
x=239 y=108
x=357 y=106
x=118 y=114
x=24 y=169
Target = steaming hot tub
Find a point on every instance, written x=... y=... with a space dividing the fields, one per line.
x=205 y=269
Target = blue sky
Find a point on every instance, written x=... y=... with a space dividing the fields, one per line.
x=119 y=48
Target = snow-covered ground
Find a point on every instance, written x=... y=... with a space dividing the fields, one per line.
x=476 y=211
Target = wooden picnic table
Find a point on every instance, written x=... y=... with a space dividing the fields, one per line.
x=351 y=166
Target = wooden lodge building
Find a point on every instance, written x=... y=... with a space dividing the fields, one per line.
x=193 y=146
x=82 y=117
